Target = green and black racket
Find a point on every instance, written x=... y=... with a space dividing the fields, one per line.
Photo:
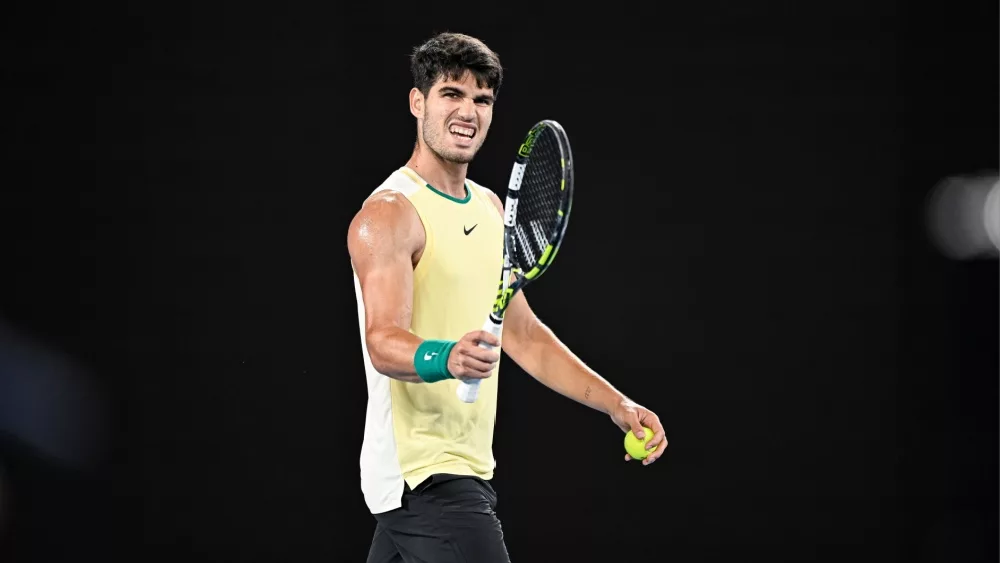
x=536 y=213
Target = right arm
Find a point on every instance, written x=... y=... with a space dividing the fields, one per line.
x=383 y=240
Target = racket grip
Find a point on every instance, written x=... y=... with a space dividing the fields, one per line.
x=468 y=391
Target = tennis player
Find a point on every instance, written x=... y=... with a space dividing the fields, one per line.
x=426 y=247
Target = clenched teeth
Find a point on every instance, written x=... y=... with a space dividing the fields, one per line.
x=464 y=131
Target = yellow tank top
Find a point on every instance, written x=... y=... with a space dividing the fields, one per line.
x=415 y=430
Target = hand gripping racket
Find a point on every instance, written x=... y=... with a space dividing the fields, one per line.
x=536 y=212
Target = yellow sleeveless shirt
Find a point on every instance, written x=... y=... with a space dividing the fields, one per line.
x=414 y=430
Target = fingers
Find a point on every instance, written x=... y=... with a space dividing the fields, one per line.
x=635 y=425
x=477 y=367
x=659 y=440
x=465 y=373
x=469 y=361
x=481 y=354
x=478 y=336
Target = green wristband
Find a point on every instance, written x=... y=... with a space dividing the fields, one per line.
x=431 y=360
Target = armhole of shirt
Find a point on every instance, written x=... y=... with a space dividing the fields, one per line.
x=418 y=271
x=480 y=193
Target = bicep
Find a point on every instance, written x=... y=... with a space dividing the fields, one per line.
x=386 y=289
x=381 y=243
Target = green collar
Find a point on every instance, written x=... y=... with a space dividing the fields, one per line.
x=468 y=194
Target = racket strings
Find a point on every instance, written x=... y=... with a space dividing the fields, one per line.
x=540 y=198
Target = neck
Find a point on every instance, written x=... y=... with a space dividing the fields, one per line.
x=447 y=177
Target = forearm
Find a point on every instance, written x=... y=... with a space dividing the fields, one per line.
x=544 y=357
x=392 y=350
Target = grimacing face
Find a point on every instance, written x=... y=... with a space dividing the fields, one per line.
x=456 y=115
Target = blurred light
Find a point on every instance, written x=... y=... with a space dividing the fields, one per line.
x=963 y=216
x=48 y=402
x=992 y=212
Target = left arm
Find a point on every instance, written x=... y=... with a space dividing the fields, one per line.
x=537 y=350
x=539 y=353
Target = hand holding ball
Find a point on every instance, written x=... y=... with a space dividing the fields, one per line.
x=636 y=447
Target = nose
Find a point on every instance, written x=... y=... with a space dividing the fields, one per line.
x=467 y=110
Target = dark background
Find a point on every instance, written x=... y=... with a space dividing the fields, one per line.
x=746 y=256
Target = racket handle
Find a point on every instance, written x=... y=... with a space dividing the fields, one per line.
x=467 y=391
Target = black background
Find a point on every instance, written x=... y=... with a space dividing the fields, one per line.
x=746 y=257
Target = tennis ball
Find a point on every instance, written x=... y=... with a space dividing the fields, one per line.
x=636 y=447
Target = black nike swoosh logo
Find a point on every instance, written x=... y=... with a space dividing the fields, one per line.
x=467 y=231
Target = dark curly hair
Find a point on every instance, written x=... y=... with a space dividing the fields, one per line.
x=449 y=55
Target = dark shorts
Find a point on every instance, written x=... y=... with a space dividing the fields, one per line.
x=448 y=518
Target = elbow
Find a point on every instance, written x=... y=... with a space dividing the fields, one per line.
x=374 y=340
x=526 y=346
x=517 y=347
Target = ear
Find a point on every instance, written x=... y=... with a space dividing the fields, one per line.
x=417 y=103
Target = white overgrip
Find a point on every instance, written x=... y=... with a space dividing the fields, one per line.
x=510 y=205
x=510 y=211
x=468 y=391
x=516 y=176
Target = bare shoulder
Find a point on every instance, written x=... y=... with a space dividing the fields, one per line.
x=386 y=223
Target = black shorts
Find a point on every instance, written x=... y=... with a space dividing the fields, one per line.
x=448 y=518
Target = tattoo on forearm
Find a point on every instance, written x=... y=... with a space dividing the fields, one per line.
x=586 y=394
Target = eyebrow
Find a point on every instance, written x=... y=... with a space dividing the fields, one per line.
x=460 y=92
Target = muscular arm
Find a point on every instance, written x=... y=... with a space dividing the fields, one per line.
x=382 y=240
x=540 y=353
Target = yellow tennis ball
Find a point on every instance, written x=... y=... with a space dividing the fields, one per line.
x=636 y=447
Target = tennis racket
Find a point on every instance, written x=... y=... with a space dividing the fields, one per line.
x=536 y=212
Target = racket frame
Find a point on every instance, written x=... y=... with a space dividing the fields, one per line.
x=508 y=289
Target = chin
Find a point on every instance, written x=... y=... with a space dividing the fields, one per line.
x=457 y=157
x=462 y=158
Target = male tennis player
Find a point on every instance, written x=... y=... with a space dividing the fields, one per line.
x=426 y=250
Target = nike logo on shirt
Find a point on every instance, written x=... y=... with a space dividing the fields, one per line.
x=467 y=231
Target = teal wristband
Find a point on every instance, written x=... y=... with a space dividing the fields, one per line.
x=431 y=360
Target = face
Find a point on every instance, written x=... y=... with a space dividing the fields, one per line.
x=454 y=117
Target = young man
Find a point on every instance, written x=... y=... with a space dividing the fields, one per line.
x=426 y=250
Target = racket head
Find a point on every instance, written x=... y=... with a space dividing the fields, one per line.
x=544 y=199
